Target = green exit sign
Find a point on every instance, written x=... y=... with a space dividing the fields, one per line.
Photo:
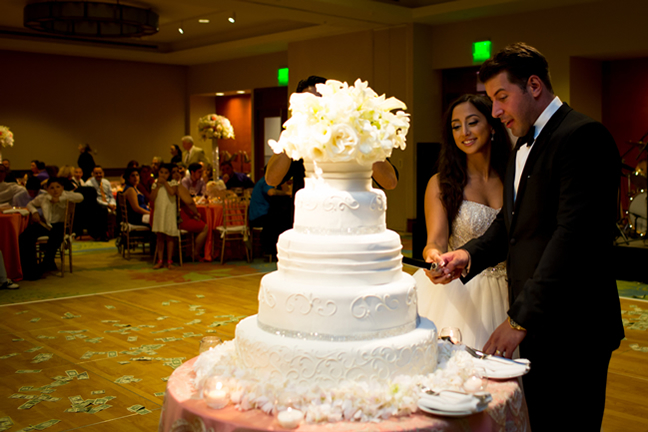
x=481 y=51
x=282 y=76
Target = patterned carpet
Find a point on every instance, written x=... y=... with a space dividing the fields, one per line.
x=99 y=268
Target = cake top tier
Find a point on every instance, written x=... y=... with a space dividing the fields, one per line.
x=338 y=200
x=346 y=123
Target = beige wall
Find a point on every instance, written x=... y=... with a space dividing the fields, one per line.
x=124 y=110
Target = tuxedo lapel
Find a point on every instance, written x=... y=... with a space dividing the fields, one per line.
x=536 y=150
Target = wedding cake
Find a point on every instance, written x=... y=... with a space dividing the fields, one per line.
x=339 y=311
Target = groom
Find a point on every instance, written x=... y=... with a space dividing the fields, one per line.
x=555 y=231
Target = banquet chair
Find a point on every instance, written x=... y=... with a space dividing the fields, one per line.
x=68 y=238
x=186 y=239
x=138 y=234
x=235 y=225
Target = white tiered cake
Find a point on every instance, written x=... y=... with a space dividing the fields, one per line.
x=339 y=308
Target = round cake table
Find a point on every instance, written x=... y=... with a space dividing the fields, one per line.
x=183 y=413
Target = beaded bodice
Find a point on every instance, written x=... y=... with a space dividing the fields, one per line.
x=473 y=219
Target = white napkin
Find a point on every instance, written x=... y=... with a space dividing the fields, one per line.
x=451 y=402
x=23 y=212
x=500 y=369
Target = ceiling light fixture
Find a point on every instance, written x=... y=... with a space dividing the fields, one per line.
x=180 y=29
x=90 y=19
x=232 y=17
x=220 y=94
x=240 y=92
x=203 y=21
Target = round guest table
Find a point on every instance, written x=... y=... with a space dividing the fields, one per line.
x=183 y=413
x=11 y=226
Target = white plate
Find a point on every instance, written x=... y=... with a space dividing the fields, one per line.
x=428 y=410
x=505 y=375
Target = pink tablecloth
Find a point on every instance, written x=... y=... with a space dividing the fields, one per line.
x=507 y=412
x=212 y=215
x=11 y=225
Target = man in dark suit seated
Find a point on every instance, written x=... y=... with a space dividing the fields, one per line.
x=555 y=231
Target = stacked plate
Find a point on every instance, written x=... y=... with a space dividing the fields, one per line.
x=453 y=404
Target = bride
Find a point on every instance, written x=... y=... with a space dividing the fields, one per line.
x=461 y=201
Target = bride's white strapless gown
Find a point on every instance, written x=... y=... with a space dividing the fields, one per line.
x=478 y=307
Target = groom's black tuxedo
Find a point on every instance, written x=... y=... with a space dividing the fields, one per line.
x=556 y=237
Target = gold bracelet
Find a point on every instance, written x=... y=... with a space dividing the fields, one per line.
x=514 y=325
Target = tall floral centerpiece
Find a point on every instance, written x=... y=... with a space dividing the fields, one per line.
x=346 y=124
x=214 y=126
x=6 y=138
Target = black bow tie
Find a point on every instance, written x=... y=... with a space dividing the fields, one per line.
x=526 y=139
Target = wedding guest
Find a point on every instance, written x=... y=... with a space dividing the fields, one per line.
x=77 y=178
x=147 y=179
x=235 y=179
x=132 y=164
x=554 y=224
x=86 y=162
x=259 y=209
x=67 y=172
x=38 y=170
x=137 y=210
x=165 y=215
x=8 y=190
x=194 y=183
x=53 y=205
x=155 y=165
x=105 y=197
x=176 y=154
x=192 y=154
x=10 y=177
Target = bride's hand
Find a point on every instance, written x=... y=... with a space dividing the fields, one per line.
x=431 y=255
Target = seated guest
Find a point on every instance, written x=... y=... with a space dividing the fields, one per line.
x=52 y=170
x=137 y=209
x=132 y=164
x=8 y=190
x=38 y=170
x=32 y=190
x=5 y=283
x=67 y=172
x=194 y=183
x=156 y=163
x=103 y=216
x=208 y=172
x=105 y=197
x=53 y=205
x=10 y=177
x=147 y=179
x=190 y=219
x=77 y=178
x=234 y=179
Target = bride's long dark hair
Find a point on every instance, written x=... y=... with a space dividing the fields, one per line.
x=453 y=175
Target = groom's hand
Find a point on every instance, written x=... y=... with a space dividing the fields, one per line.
x=504 y=340
x=451 y=265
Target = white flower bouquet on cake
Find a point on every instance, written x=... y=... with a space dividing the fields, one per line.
x=6 y=137
x=347 y=123
x=215 y=126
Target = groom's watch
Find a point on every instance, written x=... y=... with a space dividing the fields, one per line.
x=515 y=325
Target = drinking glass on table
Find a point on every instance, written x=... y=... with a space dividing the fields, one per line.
x=209 y=342
x=477 y=381
x=452 y=334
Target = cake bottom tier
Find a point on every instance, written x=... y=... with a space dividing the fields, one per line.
x=330 y=363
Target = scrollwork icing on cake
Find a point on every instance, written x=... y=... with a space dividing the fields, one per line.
x=266 y=297
x=362 y=307
x=325 y=308
x=411 y=296
x=339 y=202
x=306 y=204
x=378 y=203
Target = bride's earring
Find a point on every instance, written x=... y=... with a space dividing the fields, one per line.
x=492 y=136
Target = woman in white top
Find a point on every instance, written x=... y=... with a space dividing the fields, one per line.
x=53 y=205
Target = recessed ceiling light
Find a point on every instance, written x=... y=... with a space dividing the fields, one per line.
x=232 y=18
x=241 y=92
x=203 y=21
x=220 y=94
x=180 y=30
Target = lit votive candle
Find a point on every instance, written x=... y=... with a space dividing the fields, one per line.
x=216 y=396
x=291 y=418
x=473 y=384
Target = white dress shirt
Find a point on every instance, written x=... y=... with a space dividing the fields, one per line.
x=53 y=212
x=8 y=191
x=523 y=153
x=105 y=185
